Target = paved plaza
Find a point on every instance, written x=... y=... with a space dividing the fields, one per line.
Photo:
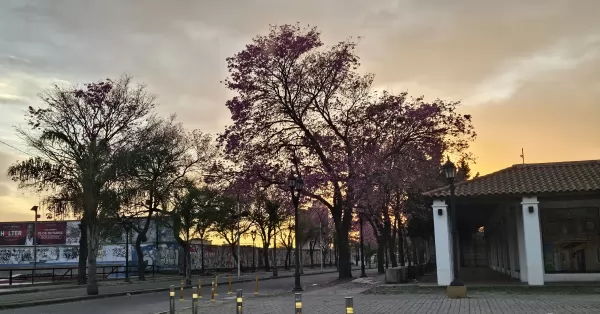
x=324 y=294
x=331 y=300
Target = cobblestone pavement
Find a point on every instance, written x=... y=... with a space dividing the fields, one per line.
x=331 y=300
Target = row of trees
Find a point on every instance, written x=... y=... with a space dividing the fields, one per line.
x=101 y=152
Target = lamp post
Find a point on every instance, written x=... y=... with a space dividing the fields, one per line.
x=34 y=237
x=127 y=226
x=253 y=235
x=363 y=274
x=450 y=173
x=296 y=184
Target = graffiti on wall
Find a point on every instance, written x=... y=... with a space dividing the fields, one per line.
x=112 y=250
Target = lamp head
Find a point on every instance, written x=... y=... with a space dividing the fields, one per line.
x=449 y=170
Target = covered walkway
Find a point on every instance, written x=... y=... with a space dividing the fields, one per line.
x=536 y=223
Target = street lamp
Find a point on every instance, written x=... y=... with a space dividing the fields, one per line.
x=253 y=235
x=34 y=237
x=127 y=226
x=296 y=184
x=363 y=274
x=450 y=173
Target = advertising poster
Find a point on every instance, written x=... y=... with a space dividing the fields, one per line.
x=47 y=233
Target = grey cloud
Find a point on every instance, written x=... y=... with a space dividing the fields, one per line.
x=180 y=50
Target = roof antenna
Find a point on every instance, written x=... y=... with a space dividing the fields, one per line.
x=522 y=155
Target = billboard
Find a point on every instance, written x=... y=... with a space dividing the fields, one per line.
x=21 y=233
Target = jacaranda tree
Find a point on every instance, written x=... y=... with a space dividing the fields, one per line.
x=299 y=105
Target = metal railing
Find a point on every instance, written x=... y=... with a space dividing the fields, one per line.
x=64 y=274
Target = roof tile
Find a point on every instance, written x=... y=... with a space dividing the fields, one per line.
x=559 y=177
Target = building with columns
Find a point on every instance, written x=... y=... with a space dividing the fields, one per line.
x=533 y=223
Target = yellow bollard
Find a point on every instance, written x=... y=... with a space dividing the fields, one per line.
x=212 y=294
x=229 y=289
x=256 y=287
x=172 y=299
x=349 y=305
x=239 y=309
x=199 y=288
x=194 y=300
x=298 y=301
x=217 y=285
x=181 y=293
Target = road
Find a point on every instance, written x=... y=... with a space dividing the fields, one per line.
x=158 y=302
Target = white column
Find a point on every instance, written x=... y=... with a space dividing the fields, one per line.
x=443 y=247
x=521 y=245
x=512 y=247
x=533 y=241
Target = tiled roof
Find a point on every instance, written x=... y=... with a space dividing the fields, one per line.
x=531 y=179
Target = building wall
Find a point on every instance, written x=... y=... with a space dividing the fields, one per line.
x=113 y=247
x=571 y=236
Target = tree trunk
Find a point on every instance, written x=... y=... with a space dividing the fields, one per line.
x=92 y=237
x=401 y=246
x=140 y=256
x=235 y=256
x=392 y=247
x=380 y=259
x=312 y=260
x=344 y=259
x=188 y=264
x=387 y=233
x=287 y=258
x=83 y=250
x=265 y=252
x=202 y=254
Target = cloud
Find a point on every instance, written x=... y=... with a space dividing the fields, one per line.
x=512 y=61
x=8 y=99
x=511 y=75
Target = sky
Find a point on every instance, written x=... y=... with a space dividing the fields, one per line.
x=527 y=71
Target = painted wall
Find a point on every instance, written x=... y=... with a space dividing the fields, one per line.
x=112 y=252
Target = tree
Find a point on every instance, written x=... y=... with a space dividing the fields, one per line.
x=298 y=104
x=267 y=215
x=315 y=216
x=293 y=99
x=78 y=134
x=160 y=162
x=205 y=217
x=286 y=240
x=231 y=222
x=193 y=213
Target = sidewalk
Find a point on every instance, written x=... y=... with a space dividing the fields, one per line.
x=47 y=286
x=52 y=295
x=332 y=300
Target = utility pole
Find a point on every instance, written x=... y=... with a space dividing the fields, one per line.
x=35 y=210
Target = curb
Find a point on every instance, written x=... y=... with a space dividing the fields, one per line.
x=132 y=292
x=70 y=286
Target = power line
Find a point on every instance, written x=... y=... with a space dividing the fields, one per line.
x=5 y=143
